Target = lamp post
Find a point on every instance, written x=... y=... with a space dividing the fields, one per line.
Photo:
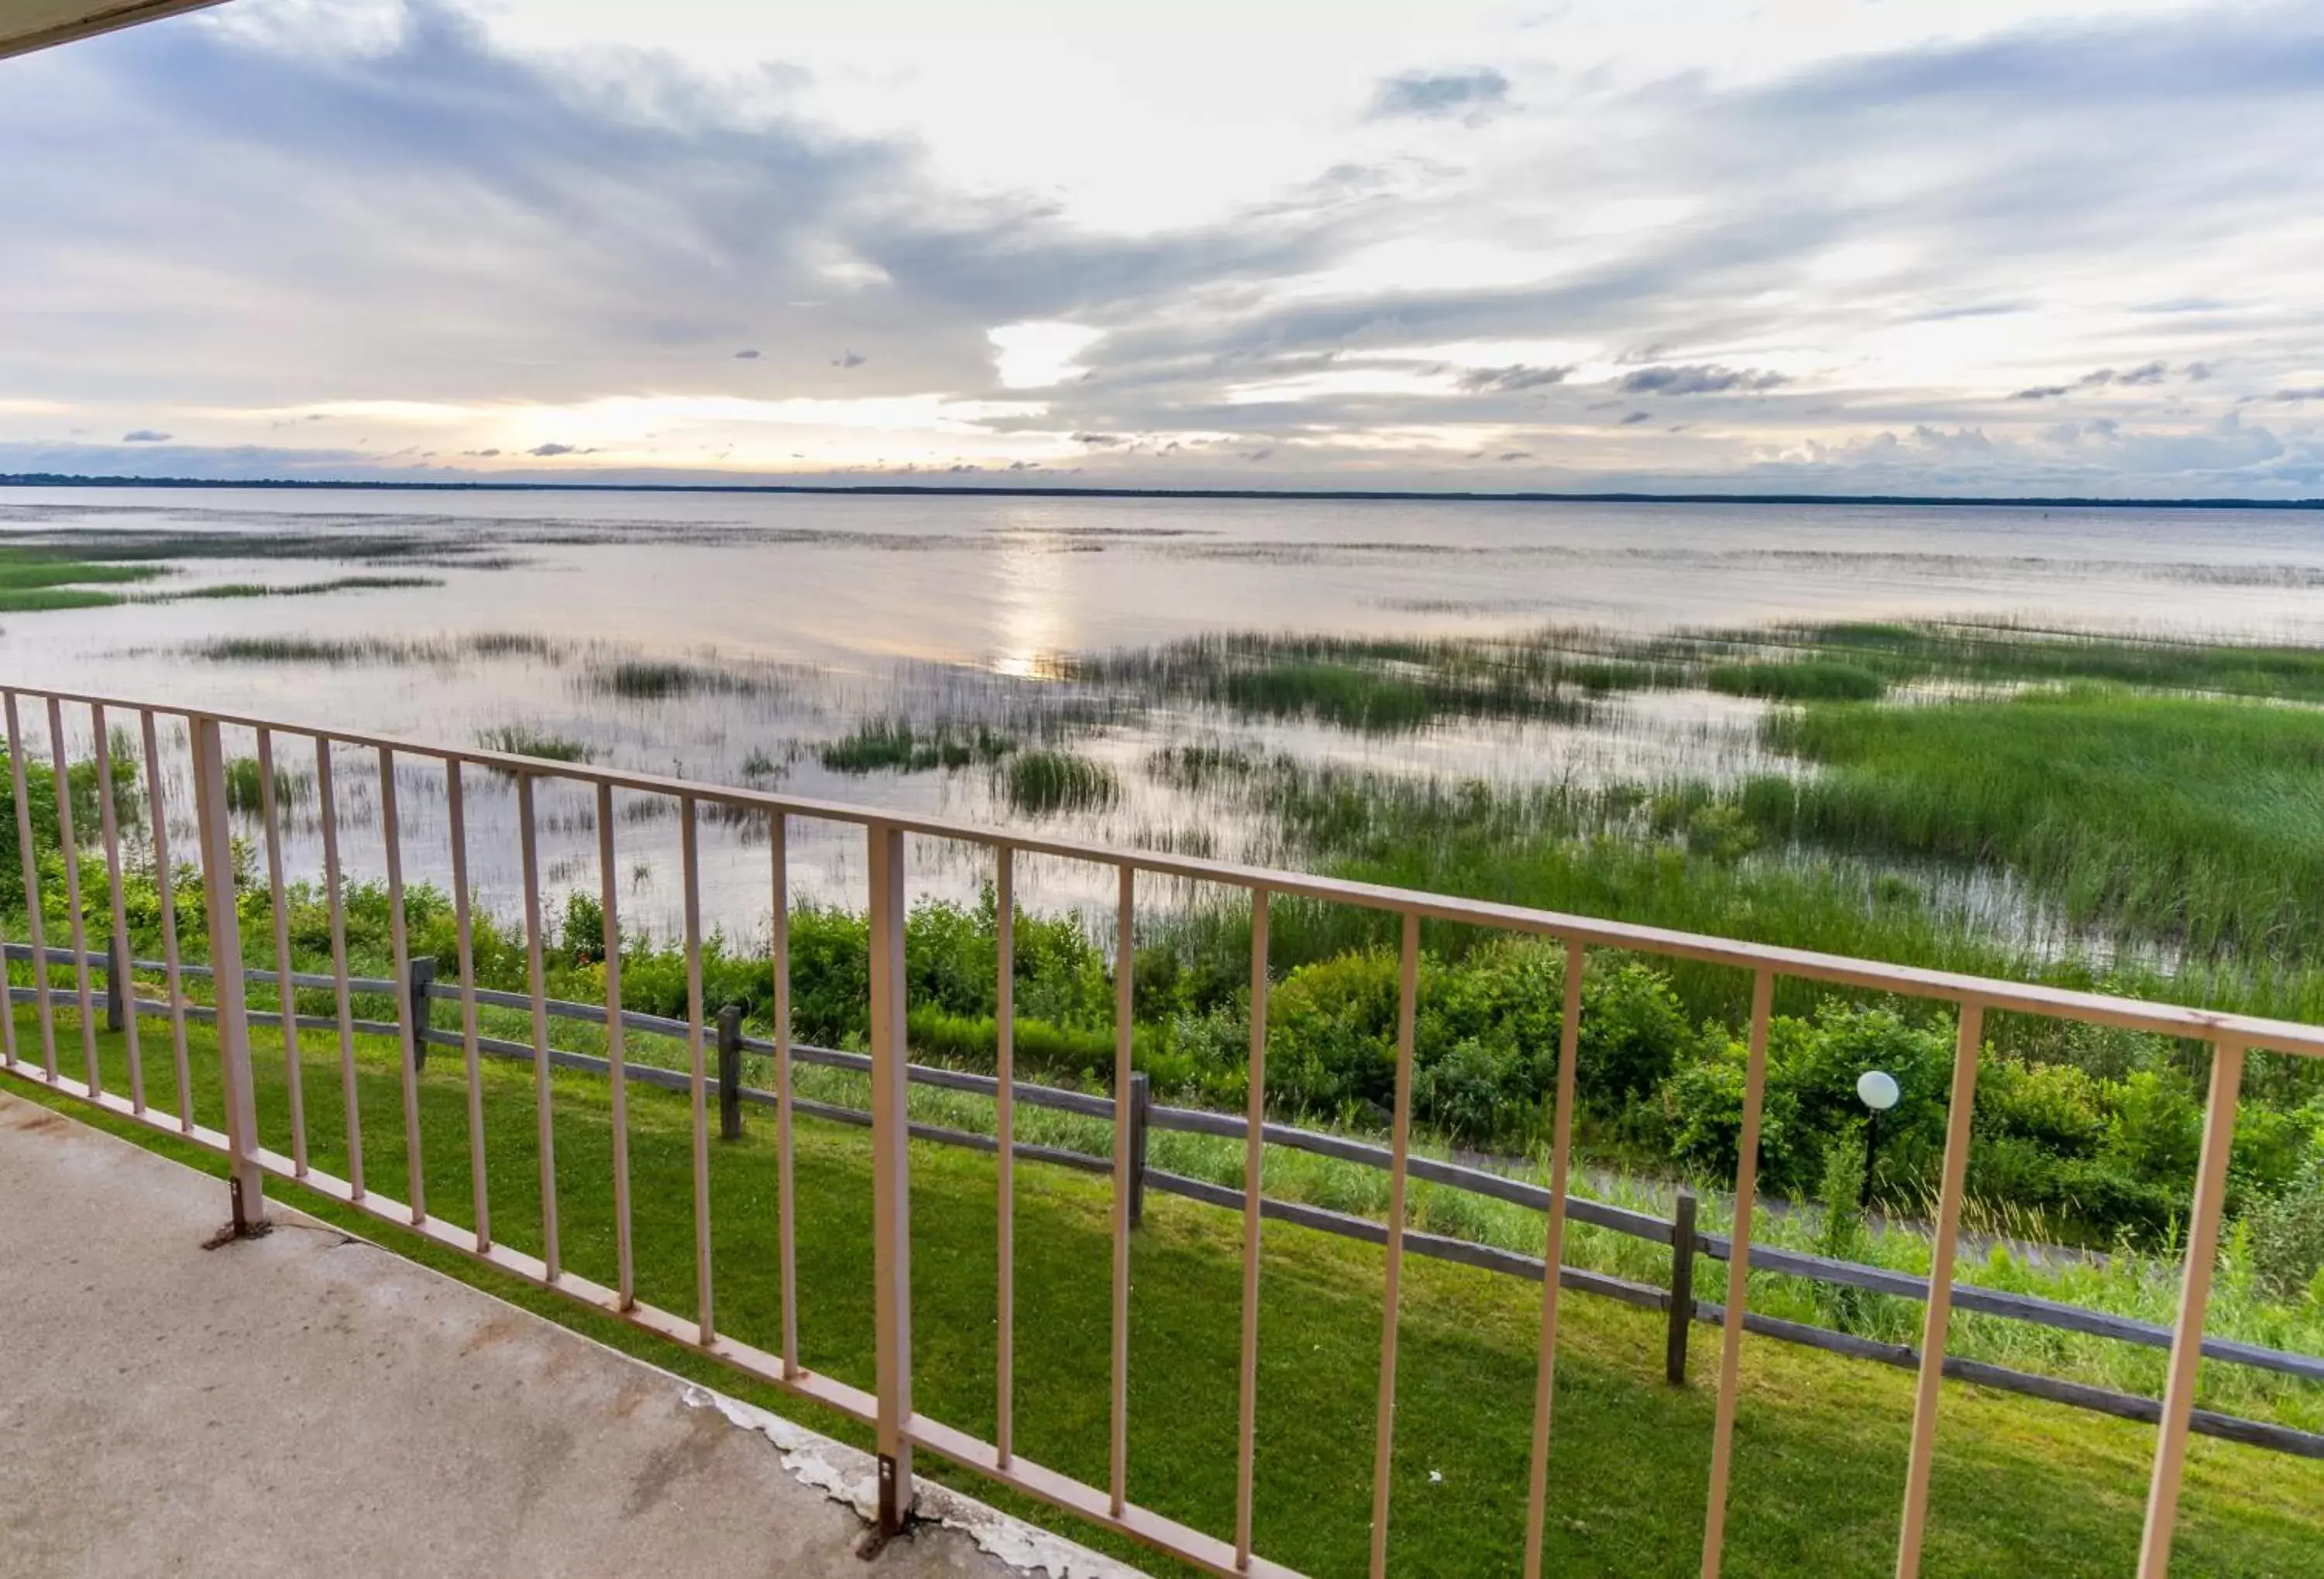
x=1877 y=1090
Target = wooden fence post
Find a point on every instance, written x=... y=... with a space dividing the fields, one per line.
x=1142 y=1102
x=116 y=976
x=416 y=983
x=730 y=1073
x=1682 y=1289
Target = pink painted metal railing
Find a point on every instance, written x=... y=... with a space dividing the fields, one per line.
x=889 y=1409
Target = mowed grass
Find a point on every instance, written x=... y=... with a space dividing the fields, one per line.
x=1820 y=1441
x=2201 y=821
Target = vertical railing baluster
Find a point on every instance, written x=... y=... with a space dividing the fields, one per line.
x=1937 y=1321
x=1400 y=1143
x=1561 y=1153
x=1738 y=1269
x=1254 y=1150
x=44 y=1011
x=464 y=943
x=1004 y=1125
x=786 y=1190
x=2194 y=1304
x=544 y=1107
x=698 y=1073
x=286 y=998
x=891 y=1178
x=335 y=898
x=77 y=930
x=410 y=1014
x=1124 y=1048
x=108 y=818
x=7 y=1008
x=246 y=1178
x=165 y=889
x=616 y=1048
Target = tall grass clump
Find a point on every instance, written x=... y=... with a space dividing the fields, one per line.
x=245 y=786
x=2199 y=821
x=644 y=679
x=32 y=581
x=523 y=740
x=1040 y=783
x=1819 y=679
x=897 y=745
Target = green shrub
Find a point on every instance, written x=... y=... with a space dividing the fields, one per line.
x=2054 y=1106
x=1810 y=1101
x=2155 y=1128
x=2287 y=1239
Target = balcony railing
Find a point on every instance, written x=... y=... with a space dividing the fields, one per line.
x=887 y=1407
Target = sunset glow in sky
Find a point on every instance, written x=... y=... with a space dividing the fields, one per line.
x=2043 y=246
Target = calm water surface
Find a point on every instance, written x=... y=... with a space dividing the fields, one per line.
x=827 y=611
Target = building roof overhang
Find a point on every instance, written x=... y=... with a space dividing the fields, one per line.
x=36 y=24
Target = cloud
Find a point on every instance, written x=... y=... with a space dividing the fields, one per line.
x=547 y=451
x=1634 y=418
x=1510 y=379
x=1700 y=380
x=1438 y=95
x=624 y=223
x=144 y=436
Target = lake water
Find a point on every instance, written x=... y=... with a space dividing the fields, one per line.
x=823 y=611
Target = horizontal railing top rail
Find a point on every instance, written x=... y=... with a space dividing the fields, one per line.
x=2254 y=1032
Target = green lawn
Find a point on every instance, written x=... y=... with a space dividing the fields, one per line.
x=1820 y=1441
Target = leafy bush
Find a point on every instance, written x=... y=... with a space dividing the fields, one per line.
x=2056 y=1107
x=1810 y=1101
x=2287 y=1239
x=2155 y=1130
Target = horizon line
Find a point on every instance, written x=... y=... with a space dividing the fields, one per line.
x=1026 y=490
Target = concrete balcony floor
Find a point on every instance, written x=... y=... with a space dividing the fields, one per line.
x=309 y=1403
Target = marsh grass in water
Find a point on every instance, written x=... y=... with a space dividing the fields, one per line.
x=240 y=589
x=1801 y=680
x=645 y=679
x=897 y=745
x=33 y=580
x=1047 y=781
x=343 y=651
x=2195 y=821
x=523 y=740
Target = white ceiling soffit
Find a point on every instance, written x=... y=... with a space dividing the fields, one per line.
x=34 y=24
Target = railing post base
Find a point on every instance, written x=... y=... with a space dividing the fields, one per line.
x=895 y=1505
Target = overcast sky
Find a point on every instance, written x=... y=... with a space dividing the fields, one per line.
x=2044 y=245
